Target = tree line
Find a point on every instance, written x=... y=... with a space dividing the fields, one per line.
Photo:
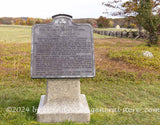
x=146 y=13
x=24 y=21
x=31 y=21
x=101 y=22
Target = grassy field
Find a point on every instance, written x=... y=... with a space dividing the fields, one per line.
x=114 y=29
x=15 y=33
x=125 y=91
x=98 y=36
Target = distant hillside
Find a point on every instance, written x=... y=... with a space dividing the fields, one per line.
x=91 y=21
x=10 y=20
x=6 y=20
x=121 y=22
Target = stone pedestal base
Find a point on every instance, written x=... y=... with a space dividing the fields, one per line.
x=62 y=102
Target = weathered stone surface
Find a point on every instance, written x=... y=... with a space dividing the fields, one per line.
x=63 y=103
x=147 y=54
x=63 y=88
x=106 y=32
x=62 y=49
x=135 y=34
x=130 y=35
x=111 y=33
x=114 y=33
x=119 y=34
x=124 y=34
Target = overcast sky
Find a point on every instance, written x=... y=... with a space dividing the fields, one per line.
x=48 y=8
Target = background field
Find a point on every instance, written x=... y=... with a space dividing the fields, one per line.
x=114 y=29
x=125 y=91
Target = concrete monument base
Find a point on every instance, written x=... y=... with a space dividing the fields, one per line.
x=62 y=102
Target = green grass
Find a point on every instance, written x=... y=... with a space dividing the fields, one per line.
x=111 y=89
x=98 y=36
x=17 y=33
x=134 y=56
x=13 y=33
x=114 y=29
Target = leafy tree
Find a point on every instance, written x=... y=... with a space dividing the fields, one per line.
x=12 y=22
x=46 y=21
x=131 y=9
x=19 y=21
x=132 y=25
x=102 y=22
x=30 y=21
x=127 y=8
x=111 y=23
x=38 y=21
x=148 y=20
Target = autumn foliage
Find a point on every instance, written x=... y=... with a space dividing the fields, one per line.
x=30 y=21
x=145 y=12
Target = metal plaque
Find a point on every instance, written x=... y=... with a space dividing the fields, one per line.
x=62 y=49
